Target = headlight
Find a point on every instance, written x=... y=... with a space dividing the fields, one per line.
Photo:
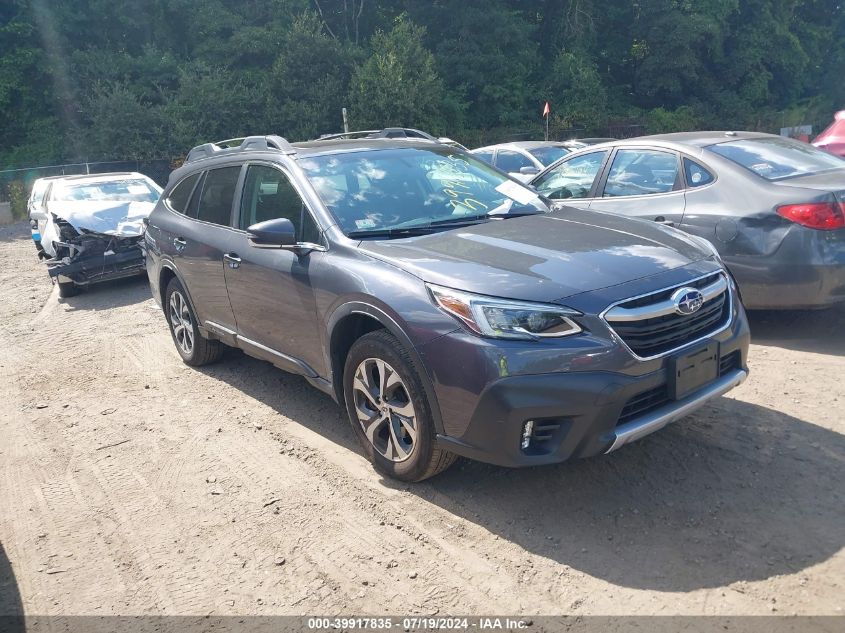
x=502 y=318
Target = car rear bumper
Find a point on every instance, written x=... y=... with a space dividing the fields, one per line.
x=574 y=413
x=806 y=271
x=791 y=286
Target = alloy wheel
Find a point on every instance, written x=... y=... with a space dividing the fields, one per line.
x=180 y=322
x=384 y=409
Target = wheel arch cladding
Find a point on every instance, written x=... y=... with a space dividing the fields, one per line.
x=164 y=277
x=344 y=334
x=352 y=321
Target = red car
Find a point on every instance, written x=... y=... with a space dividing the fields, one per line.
x=833 y=138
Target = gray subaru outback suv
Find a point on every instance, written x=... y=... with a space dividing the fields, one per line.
x=449 y=308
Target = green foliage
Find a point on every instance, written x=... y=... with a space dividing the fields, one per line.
x=98 y=79
x=576 y=89
x=309 y=80
x=398 y=84
x=661 y=120
x=16 y=192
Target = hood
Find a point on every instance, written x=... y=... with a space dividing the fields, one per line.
x=109 y=217
x=545 y=257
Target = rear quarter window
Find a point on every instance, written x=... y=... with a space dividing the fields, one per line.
x=181 y=193
x=696 y=175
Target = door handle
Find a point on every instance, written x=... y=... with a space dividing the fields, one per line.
x=661 y=220
x=233 y=259
x=179 y=243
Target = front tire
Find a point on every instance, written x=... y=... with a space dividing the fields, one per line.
x=194 y=349
x=389 y=411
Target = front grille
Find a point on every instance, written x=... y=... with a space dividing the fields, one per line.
x=643 y=403
x=654 y=398
x=656 y=335
x=730 y=362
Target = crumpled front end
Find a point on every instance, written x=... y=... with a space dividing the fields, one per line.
x=87 y=257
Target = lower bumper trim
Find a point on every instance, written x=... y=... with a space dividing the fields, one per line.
x=656 y=420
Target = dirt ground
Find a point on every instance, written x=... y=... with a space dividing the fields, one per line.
x=133 y=484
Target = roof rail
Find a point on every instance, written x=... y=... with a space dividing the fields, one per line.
x=232 y=145
x=388 y=132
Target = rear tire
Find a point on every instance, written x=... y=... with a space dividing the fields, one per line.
x=194 y=349
x=68 y=289
x=389 y=411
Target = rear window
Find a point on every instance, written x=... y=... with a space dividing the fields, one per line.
x=777 y=158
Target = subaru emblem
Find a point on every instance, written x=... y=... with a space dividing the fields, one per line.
x=687 y=300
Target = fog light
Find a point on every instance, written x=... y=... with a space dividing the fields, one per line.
x=527 y=431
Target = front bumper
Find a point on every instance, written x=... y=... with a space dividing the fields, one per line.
x=97 y=268
x=583 y=402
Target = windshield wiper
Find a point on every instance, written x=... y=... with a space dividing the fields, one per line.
x=419 y=229
x=398 y=232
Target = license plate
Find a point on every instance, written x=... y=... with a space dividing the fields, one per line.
x=693 y=370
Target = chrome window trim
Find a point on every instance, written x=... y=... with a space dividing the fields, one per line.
x=701 y=339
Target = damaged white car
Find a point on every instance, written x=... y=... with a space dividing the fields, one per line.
x=88 y=228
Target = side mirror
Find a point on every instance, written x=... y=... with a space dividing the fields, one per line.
x=38 y=213
x=529 y=171
x=272 y=233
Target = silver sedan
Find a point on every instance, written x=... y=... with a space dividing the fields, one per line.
x=773 y=208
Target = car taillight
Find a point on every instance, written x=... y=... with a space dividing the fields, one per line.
x=825 y=216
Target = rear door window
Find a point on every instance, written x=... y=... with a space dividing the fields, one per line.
x=572 y=178
x=641 y=172
x=218 y=192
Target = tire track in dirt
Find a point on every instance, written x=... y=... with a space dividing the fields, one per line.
x=174 y=520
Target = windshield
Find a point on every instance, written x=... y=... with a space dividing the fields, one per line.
x=402 y=188
x=548 y=155
x=38 y=189
x=132 y=190
x=777 y=158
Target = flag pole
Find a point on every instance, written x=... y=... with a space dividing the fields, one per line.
x=546 y=112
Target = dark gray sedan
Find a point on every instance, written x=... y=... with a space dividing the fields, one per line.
x=773 y=207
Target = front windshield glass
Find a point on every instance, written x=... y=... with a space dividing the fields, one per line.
x=548 y=155
x=393 y=189
x=130 y=190
x=777 y=158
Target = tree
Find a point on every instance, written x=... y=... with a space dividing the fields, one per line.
x=398 y=84
x=577 y=91
x=487 y=56
x=310 y=80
